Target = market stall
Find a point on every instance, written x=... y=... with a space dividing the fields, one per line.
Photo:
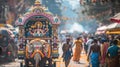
x=113 y=28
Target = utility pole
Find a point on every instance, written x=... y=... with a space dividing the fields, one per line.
x=2 y=11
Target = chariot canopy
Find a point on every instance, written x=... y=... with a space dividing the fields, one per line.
x=38 y=12
x=38 y=21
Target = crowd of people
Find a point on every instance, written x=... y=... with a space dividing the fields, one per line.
x=101 y=51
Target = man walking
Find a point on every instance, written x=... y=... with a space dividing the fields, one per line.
x=67 y=52
x=112 y=54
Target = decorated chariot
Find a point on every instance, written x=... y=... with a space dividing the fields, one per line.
x=38 y=36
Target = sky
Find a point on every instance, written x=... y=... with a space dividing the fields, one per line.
x=73 y=10
x=70 y=9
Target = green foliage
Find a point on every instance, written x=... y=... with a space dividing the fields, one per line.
x=103 y=10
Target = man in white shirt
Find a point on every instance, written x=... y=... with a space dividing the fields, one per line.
x=89 y=43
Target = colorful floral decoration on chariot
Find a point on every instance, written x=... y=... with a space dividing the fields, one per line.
x=38 y=44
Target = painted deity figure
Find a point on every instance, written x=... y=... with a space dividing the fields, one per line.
x=38 y=31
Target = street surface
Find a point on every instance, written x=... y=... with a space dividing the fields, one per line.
x=10 y=64
x=60 y=63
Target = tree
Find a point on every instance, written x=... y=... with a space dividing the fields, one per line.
x=102 y=10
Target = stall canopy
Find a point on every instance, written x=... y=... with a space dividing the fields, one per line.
x=116 y=18
x=101 y=30
x=113 y=28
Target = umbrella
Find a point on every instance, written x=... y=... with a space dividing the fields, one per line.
x=116 y=18
x=113 y=26
x=9 y=26
x=6 y=32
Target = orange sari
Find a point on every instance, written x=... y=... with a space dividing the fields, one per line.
x=78 y=49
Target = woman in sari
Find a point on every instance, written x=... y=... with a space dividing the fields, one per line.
x=94 y=54
x=104 y=48
x=78 y=49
